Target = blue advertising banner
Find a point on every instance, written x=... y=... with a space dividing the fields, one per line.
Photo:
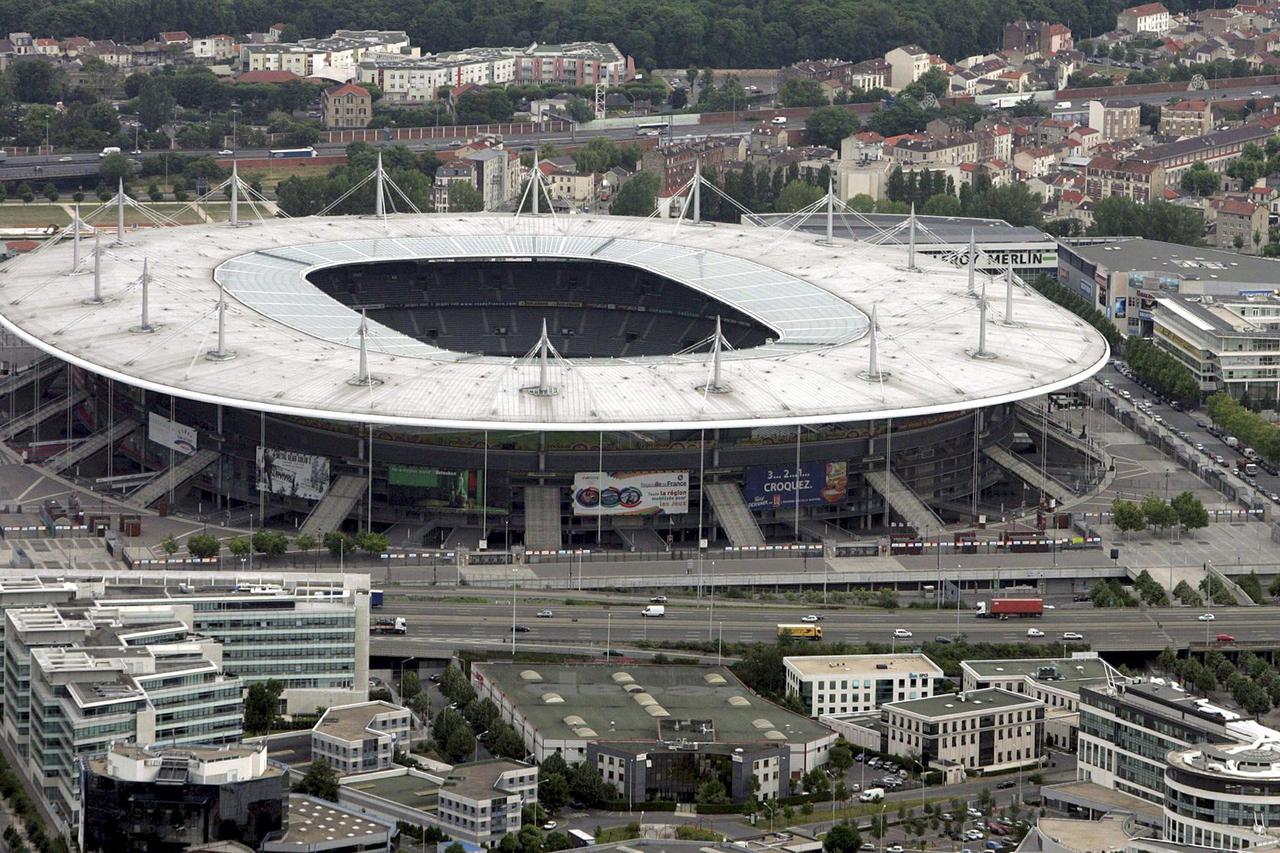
x=817 y=483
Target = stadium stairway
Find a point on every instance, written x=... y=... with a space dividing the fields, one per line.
x=634 y=530
x=731 y=512
x=51 y=409
x=542 y=518
x=904 y=502
x=100 y=440
x=173 y=478
x=332 y=509
x=1027 y=472
x=18 y=381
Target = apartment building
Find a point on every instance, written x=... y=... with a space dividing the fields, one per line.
x=339 y=53
x=583 y=63
x=848 y=684
x=1149 y=18
x=1237 y=223
x=417 y=80
x=1216 y=150
x=219 y=48
x=361 y=737
x=983 y=731
x=1114 y=119
x=1035 y=39
x=675 y=164
x=1191 y=117
x=1105 y=176
x=906 y=65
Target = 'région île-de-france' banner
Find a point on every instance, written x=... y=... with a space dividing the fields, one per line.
x=171 y=434
x=817 y=483
x=298 y=475
x=631 y=493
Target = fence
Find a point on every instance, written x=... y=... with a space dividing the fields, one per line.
x=447 y=131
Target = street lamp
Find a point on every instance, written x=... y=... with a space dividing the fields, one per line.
x=513 y=613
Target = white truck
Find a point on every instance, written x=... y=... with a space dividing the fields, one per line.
x=654 y=610
x=397 y=625
x=1231 y=441
x=1250 y=454
x=871 y=795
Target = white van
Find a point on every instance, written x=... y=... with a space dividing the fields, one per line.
x=654 y=610
x=779 y=120
x=110 y=149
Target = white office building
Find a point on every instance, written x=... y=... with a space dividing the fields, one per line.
x=849 y=684
x=362 y=737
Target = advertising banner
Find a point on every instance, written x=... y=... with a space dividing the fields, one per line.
x=298 y=475
x=817 y=483
x=171 y=434
x=631 y=493
x=458 y=488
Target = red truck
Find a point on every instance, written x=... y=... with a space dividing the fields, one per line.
x=1003 y=608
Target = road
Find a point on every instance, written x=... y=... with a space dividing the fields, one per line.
x=1187 y=422
x=589 y=626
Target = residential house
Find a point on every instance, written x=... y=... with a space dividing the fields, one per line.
x=347 y=105
x=460 y=171
x=1035 y=39
x=493 y=176
x=870 y=74
x=219 y=48
x=1152 y=18
x=1237 y=223
x=1035 y=162
x=565 y=182
x=179 y=38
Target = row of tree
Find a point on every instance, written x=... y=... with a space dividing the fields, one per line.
x=1185 y=510
x=1168 y=376
x=1253 y=682
x=1252 y=429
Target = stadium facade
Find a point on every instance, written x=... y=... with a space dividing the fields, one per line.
x=545 y=380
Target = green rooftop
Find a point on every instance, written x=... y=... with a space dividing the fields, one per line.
x=975 y=701
x=612 y=702
x=1067 y=674
x=407 y=790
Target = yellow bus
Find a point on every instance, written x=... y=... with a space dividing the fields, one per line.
x=799 y=632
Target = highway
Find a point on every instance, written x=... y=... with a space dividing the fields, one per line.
x=588 y=625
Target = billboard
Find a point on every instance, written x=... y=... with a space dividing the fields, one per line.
x=171 y=434
x=631 y=493
x=444 y=487
x=817 y=484
x=296 y=475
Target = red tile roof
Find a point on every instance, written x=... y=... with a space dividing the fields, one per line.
x=267 y=77
x=347 y=89
x=1147 y=9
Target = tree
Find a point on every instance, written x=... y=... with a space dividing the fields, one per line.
x=372 y=543
x=797 y=195
x=840 y=757
x=830 y=125
x=1158 y=513
x=269 y=543
x=339 y=543
x=114 y=168
x=304 y=542
x=637 y=197
x=202 y=546
x=506 y=742
x=260 y=705
x=464 y=198
x=1013 y=203
x=155 y=102
x=34 y=81
x=169 y=545
x=1127 y=516
x=941 y=204
x=410 y=686
x=239 y=547
x=1201 y=180
x=802 y=93
x=1159 y=220
x=320 y=780
x=50 y=192
x=460 y=743
x=1191 y=512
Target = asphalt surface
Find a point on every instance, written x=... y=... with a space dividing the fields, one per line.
x=590 y=626
x=1187 y=422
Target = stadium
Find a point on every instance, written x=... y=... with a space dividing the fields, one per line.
x=543 y=381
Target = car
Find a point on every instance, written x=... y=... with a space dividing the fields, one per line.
x=974 y=835
x=545 y=614
x=902 y=772
x=1256 y=93
x=1275 y=498
x=522 y=629
x=135 y=152
x=947 y=817
x=1034 y=632
x=1226 y=638
x=67 y=159
x=548 y=826
x=611 y=653
x=658 y=599
x=893 y=848
x=902 y=634
x=973 y=813
x=867 y=845
x=225 y=152
x=811 y=617
x=966 y=850
x=1206 y=617
x=1072 y=635
x=372 y=683
x=434 y=678
x=1220 y=461
x=1200 y=447
x=860 y=757
x=1006 y=785
x=942 y=638
x=456 y=143
x=1050 y=607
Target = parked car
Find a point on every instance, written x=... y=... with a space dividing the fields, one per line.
x=549 y=825
x=942 y=638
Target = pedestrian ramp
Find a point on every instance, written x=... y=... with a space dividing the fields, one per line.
x=100 y=440
x=332 y=509
x=174 y=478
x=904 y=502
x=732 y=514
x=1026 y=472
x=47 y=411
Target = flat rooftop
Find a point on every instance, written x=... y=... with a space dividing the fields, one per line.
x=352 y=722
x=1085 y=835
x=477 y=781
x=407 y=789
x=1069 y=674
x=975 y=701
x=645 y=703
x=1187 y=262
x=1104 y=799
x=312 y=822
x=952 y=231
x=870 y=665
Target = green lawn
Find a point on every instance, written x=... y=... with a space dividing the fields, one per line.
x=181 y=213
x=34 y=215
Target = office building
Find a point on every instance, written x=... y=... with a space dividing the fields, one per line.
x=1054 y=681
x=684 y=723
x=1128 y=730
x=983 y=731
x=1226 y=797
x=313 y=825
x=164 y=800
x=1229 y=344
x=362 y=737
x=847 y=684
